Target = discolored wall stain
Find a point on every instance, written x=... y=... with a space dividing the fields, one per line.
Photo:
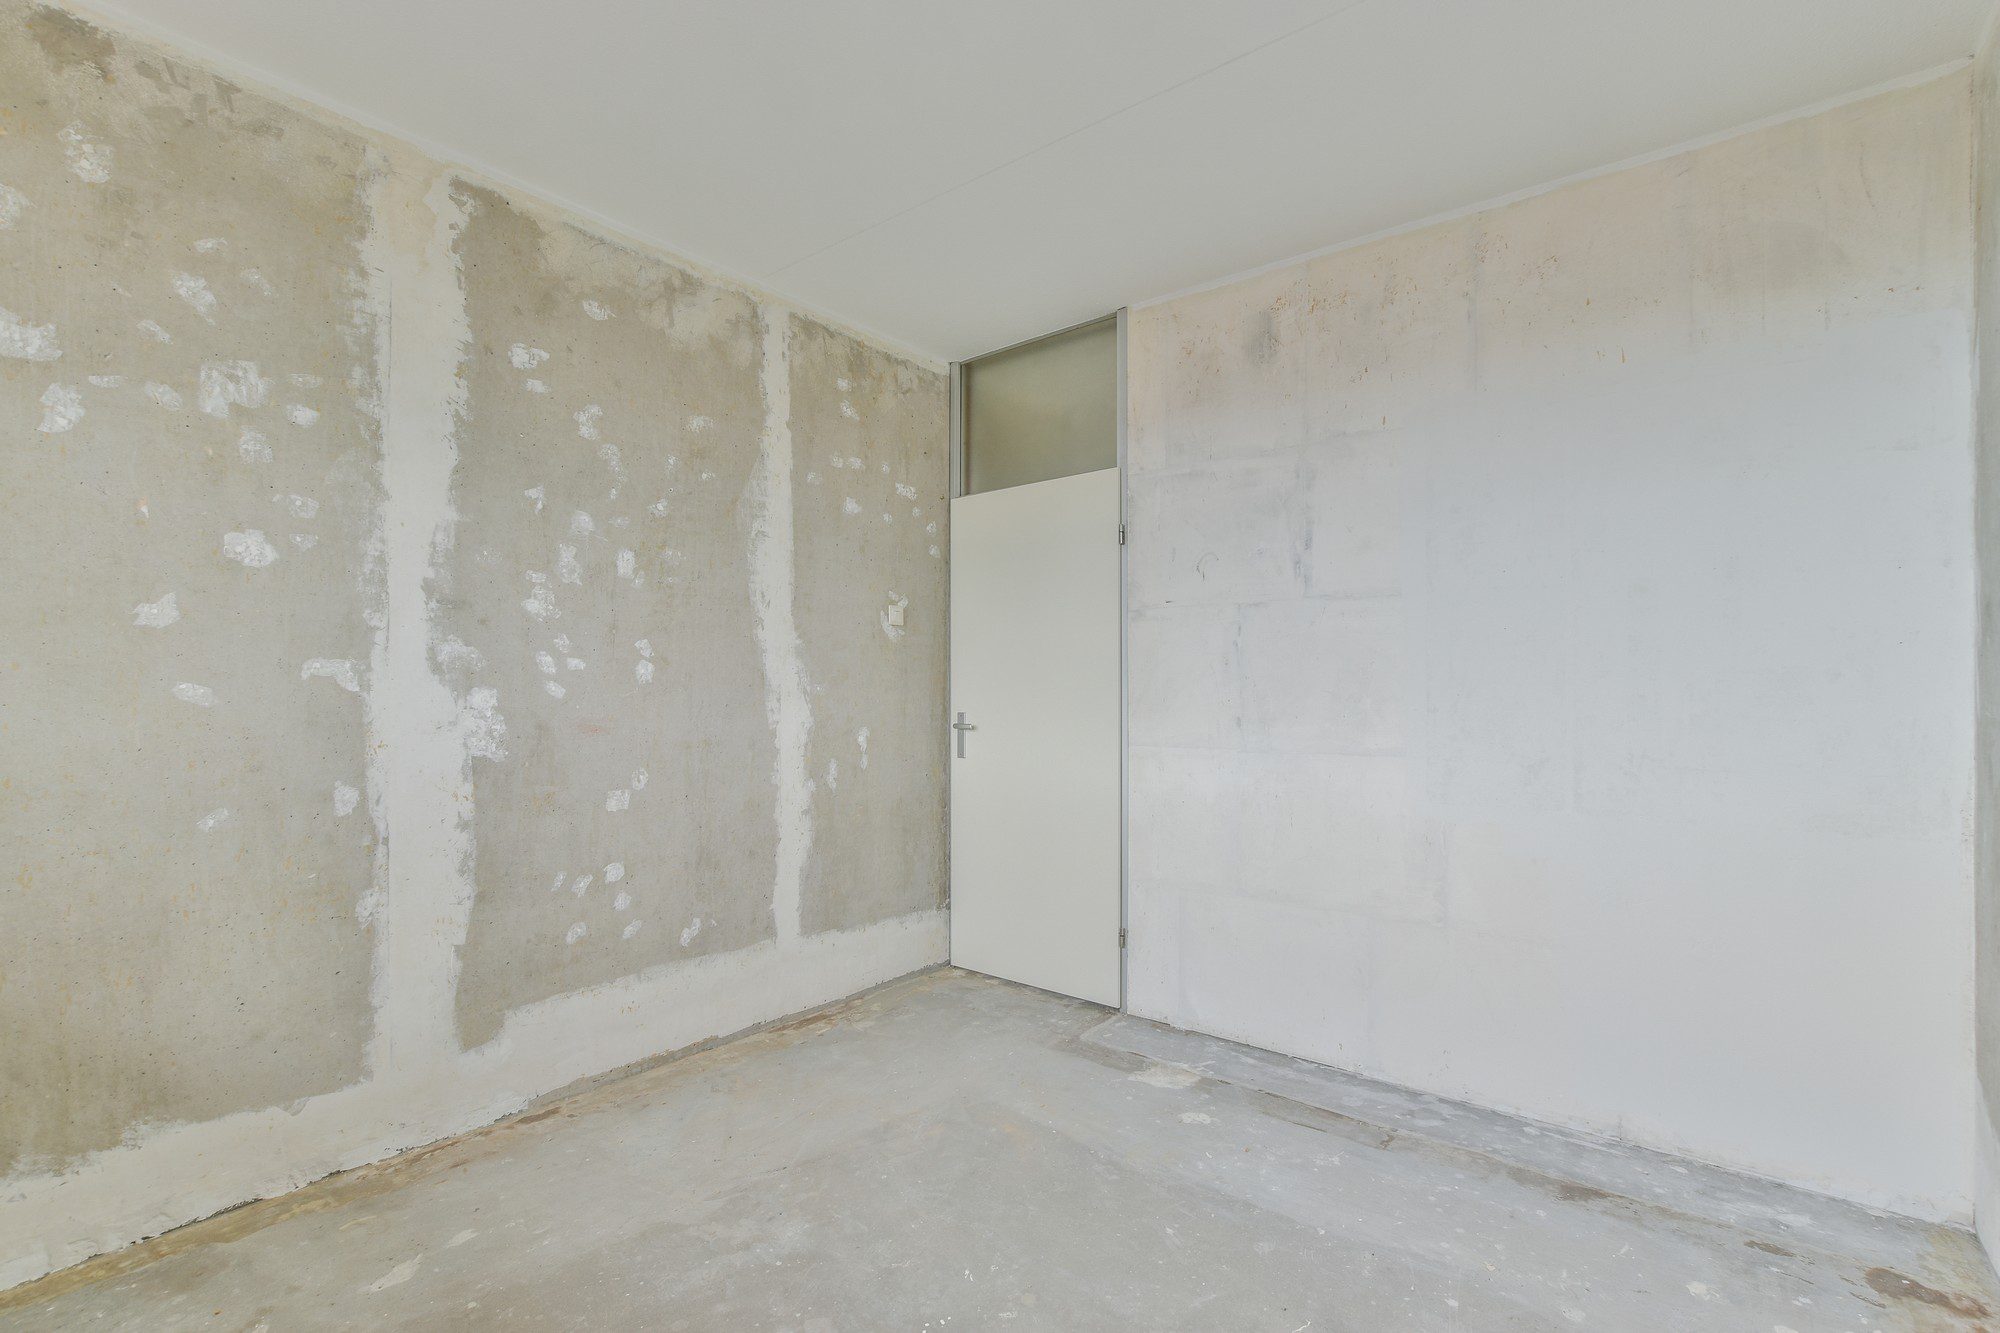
x=178 y=939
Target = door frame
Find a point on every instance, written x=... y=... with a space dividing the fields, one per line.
x=957 y=489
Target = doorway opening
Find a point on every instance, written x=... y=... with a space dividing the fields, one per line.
x=1037 y=714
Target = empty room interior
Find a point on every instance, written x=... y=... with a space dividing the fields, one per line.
x=1122 y=664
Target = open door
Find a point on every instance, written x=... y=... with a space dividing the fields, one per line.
x=1036 y=699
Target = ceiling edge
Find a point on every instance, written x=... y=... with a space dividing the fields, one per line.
x=1915 y=80
x=332 y=110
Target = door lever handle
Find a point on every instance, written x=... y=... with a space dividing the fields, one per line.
x=961 y=727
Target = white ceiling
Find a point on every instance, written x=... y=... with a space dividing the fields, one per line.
x=957 y=176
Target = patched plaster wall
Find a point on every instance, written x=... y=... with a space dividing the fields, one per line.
x=441 y=661
x=1552 y=655
x=1986 y=537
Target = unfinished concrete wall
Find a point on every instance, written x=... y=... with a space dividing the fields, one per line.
x=428 y=649
x=191 y=471
x=1552 y=660
x=1986 y=537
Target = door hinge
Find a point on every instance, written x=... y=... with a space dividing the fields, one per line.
x=1121 y=937
x=1121 y=534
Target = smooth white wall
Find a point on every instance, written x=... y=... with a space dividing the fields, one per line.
x=1552 y=655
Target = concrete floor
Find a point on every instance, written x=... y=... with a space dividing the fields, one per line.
x=956 y=1152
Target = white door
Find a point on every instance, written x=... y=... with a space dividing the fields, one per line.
x=1035 y=770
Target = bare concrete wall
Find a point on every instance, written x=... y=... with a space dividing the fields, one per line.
x=1986 y=538
x=1551 y=655
x=428 y=649
x=870 y=497
x=190 y=485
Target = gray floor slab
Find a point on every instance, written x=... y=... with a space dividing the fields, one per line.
x=953 y=1152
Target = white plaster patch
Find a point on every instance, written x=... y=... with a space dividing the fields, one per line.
x=479 y=720
x=305 y=541
x=336 y=669
x=546 y=662
x=249 y=548
x=454 y=654
x=907 y=491
x=193 y=289
x=597 y=310
x=892 y=623
x=847 y=410
x=622 y=902
x=106 y=381
x=224 y=383
x=212 y=820
x=208 y=245
x=614 y=872
x=696 y=425
x=298 y=506
x=693 y=929
x=582 y=885
x=534 y=386
x=620 y=799
x=642 y=671
x=345 y=798
x=300 y=415
x=460 y=1239
x=395 y=1277
x=639 y=779
x=164 y=395
x=833 y=775
x=1196 y=1118
x=199 y=695
x=12 y=202
x=851 y=505
x=574 y=663
x=253 y=447
x=628 y=564
x=861 y=743
x=62 y=408
x=554 y=689
x=26 y=342
x=631 y=929
x=157 y=615
x=539 y=495
x=541 y=603
x=151 y=328
x=252 y=278
x=89 y=160
x=581 y=524
x=524 y=357
x=575 y=933
x=587 y=421
x=568 y=569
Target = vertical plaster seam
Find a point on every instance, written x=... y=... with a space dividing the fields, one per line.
x=771 y=585
x=420 y=790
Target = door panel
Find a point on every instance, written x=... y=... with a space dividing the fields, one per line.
x=1035 y=799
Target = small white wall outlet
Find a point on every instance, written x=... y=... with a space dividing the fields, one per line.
x=895 y=613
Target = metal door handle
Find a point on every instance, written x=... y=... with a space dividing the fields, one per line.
x=961 y=727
